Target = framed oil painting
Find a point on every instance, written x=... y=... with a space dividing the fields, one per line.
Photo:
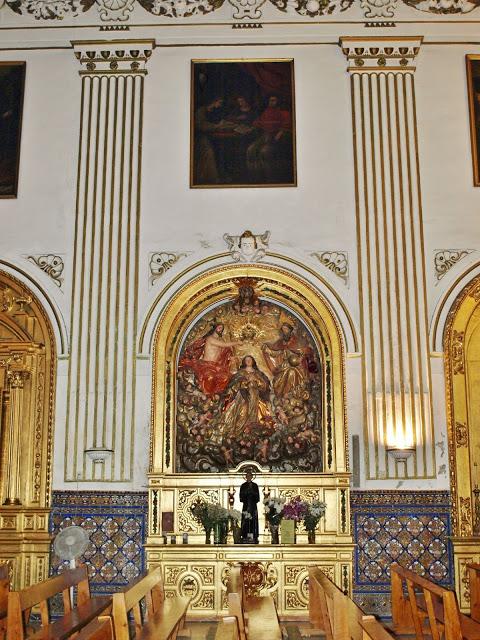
x=12 y=82
x=242 y=124
x=473 y=78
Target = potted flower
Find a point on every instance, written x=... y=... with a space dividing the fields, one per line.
x=315 y=511
x=273 y=515
x=293 y=512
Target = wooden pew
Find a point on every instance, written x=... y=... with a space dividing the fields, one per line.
x=256 y=615
x=474 y=579
x=20 y=604
x=99 y=629
x=4 y=589
x=333 y=613
x=434 y=609
x=228 y=629
x=164 y=617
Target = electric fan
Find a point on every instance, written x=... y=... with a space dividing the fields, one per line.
x=70 y=543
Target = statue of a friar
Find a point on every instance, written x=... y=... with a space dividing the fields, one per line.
x=249 y=497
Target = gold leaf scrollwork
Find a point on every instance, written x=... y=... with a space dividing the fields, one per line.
x=475 y=293
x=206 y=601
x=465 y=517
x=461 y=434
x=206 y=573
x=457 y=351
x=464 y=578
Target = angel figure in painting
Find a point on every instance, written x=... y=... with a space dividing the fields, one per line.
x=289 y=360
x=247 y=401
x=209 y=358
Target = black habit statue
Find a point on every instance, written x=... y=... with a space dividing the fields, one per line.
x=249 y=497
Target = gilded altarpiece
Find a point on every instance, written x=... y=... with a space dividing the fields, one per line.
x=272 y=397
x=462 y=374
x=27 y=385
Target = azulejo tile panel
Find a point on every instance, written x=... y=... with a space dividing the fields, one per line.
x=410 y=528
x=116 y=525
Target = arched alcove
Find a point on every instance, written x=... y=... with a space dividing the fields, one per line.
x=27 y=392
x=251 y=304
x=462 y=374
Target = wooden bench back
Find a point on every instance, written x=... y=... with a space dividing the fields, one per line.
x=236 y=599
x=99 y=629
x=327 y=606
x=430 y=601
x=372 y=629
x=336 y=614
x=20 y=603
x=4 y=590
x=228 y=629
x=147 y=589
x=474 y=578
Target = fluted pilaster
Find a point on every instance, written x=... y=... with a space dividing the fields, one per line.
x=101 y=386
x=396 y=368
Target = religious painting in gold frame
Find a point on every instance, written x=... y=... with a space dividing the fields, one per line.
x=242 y=131
x=473 y=79
x=250 y=384
x=12 y=83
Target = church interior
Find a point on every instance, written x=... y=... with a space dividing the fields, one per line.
x=240 y=319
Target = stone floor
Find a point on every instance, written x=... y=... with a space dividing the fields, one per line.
x=206 y=630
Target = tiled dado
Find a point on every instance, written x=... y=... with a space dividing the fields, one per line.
x=116 y=525
x=410 y=528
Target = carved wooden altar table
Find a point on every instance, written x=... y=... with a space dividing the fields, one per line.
x=201 y=571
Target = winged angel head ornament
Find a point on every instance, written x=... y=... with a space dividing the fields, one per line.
x=247 y=247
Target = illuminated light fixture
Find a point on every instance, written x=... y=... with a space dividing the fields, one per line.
x=400 y=453
x=99 y=455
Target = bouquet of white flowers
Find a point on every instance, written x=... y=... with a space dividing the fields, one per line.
x=315 y=511
x=274 y=510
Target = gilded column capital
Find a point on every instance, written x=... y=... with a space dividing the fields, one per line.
x=378 y=54
x=118 y=57
x=17 y=378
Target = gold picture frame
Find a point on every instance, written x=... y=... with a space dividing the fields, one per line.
x=473 y=80
x=242 y=123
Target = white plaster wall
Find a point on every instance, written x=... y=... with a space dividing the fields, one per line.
x=317 y=215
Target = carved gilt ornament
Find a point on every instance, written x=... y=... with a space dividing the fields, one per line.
x=334 y=261
x=382 y=53
x=50 y=264
x=120 y=11
x=161 y=261
x=445 y=259
x=247 y=247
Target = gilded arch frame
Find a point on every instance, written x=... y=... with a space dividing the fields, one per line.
x=218 y=285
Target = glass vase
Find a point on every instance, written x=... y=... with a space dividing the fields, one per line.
x=311 y=536
x=208 y=535
x=274 y=532
x=217 y=533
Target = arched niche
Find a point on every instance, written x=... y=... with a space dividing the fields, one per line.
x=220 y=287
x=172 y=493
x=27 y=393
x=462 y=375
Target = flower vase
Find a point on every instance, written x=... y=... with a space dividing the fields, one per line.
x=208 y=535
x=311 y=536
x=223 y=532
x=274 y=532
x=217 y=533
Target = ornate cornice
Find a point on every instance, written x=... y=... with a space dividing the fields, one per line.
x=378 y=54
x=379 y=12
x=119 y=57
